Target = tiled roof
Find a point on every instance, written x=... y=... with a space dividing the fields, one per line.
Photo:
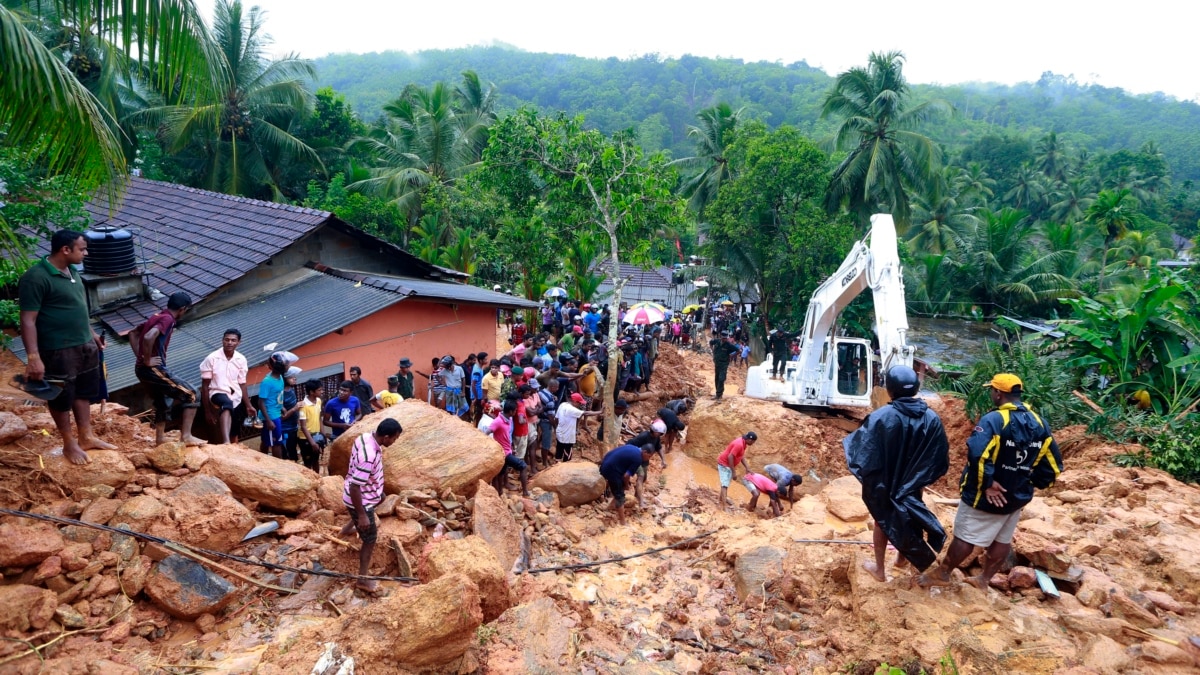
x=197 y=241
x=194 y=240
x=430 y=289
x=655 y=277
x=273 y=318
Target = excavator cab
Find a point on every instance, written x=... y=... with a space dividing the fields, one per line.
x=851 y=372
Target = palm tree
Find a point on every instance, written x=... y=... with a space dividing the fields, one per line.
x=1111 y=214
x=1052 y=157
x=1139 y=250
x=1075 y=244
x=938 y=215
x=422 y=144
x=579 y=275
x=237 y=130
x=1072 y=200
x=712 y=137
x=1001 y=266
x=976 y=186
x=474 y=111
x=930 y=283
x=1028 y=191
x=886 y=156
x=47 y=110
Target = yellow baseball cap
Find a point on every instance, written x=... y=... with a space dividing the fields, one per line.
x=1005 y=382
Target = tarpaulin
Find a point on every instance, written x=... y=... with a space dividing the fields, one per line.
x=899 y=451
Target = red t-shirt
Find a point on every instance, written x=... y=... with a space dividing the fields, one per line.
x=520 y=428
x=733 y=453
x=165 y=323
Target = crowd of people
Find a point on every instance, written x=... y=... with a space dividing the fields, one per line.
x=535 y=400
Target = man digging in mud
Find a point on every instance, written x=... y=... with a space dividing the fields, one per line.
x=1010 y=452
x=727 y=462
x=758 y=484
x=364 y=491
x=898 y=451
x=618 y=468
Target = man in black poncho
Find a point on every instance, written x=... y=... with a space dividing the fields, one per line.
x=899 y=451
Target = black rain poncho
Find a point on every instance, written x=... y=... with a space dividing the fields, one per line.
x=895 y=454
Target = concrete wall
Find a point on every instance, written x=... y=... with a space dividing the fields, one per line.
x=412 y=328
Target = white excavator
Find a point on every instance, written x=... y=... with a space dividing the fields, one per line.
x=841 y=371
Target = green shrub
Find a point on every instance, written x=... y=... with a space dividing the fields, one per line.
x=1048 y=383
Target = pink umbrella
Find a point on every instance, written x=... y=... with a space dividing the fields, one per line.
x=643 y=316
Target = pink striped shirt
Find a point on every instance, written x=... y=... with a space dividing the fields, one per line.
x=365 y=471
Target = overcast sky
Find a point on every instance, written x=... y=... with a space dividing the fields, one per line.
x=1142 y=46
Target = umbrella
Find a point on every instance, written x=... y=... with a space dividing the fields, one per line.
x=691 y=308
x=643 y=316
x=651 y=305
x=556 y=292
x=727 y=303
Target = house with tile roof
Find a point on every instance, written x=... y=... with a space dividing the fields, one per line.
x=287 y=277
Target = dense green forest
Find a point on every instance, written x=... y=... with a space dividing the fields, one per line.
x=659 y=97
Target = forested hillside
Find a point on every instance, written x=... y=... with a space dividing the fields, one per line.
x=660 y=97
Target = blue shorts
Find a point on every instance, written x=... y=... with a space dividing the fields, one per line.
x=273 y=438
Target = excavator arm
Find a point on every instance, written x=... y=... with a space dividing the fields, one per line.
x=873 y=263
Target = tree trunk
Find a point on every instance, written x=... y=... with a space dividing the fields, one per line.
x=614 y=327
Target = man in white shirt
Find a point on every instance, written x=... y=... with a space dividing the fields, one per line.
x=223 y=384
x=568 y=416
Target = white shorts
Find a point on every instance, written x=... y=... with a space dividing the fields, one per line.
x=520 y=444
x=725 y=474
x=981 y=528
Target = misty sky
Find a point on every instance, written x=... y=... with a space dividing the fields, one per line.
x=1141 y=46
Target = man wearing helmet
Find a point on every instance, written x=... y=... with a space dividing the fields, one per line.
x=898 y=451
x=1010 y=452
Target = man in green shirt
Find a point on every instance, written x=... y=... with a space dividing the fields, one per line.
x=722 y=349
x=59 y=340
x=405 y=379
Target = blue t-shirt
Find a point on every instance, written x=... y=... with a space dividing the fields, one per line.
x=593 y=321
x=290 y=424
x=270 y=392
x=623 y=461
x=342 y=412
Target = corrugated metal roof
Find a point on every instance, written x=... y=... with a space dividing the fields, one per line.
x=291 y=317
x=429 y=289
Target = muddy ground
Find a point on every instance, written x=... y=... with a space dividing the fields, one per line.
x=1123 y=546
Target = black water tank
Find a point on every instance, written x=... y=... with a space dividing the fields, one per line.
x=110 y=251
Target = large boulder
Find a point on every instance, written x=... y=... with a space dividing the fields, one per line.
x=24 y=607
x=185 y=589
x=472 y=557
x=207 y=515
x=845 y=499
x=329 y=493
x=540 y=631
x=575 y=483
x=104 y=467
x=418 y=629
x=274 y=483
x=436 y=450
x=492 y=522
x=23 y=546
x=756 y=567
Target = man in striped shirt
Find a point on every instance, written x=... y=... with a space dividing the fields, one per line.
x=364 y=491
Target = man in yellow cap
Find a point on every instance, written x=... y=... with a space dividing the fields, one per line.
x=1010 y=452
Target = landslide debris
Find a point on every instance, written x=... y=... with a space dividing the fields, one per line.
x=1122 y=546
